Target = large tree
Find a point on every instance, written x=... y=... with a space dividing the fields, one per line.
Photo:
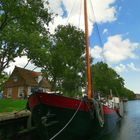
x=3 y=80
x=105 y=79
x=64 y=62
x=22 y=29
x=128 y=94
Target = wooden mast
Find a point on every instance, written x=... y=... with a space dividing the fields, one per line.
x=87 y=51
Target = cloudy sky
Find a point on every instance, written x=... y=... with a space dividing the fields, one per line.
x=114 y=39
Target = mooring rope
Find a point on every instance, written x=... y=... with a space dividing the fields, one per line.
x=67 y=122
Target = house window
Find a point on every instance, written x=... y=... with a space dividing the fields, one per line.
x=29 y=91
x=15 y=78
x=21 y=92
x=9 y=93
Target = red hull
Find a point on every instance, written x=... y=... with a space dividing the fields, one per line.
x=63 y=102
x=81 y=117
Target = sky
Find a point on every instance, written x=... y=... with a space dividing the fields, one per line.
x=113 y=34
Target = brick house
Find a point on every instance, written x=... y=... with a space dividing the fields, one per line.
x=22 y=82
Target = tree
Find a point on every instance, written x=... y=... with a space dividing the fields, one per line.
x=3 y=80
x=22 y=29
x=128 y=94
x=64 y=62
x=105 y=79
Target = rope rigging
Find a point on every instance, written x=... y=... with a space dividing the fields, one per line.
x=69 y=15
x=80 y=12
x=74 y=6
x=98 y=31
x=67 y=122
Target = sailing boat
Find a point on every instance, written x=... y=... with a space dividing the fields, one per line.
x=59 y=117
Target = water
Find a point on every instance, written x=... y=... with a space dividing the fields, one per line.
x=129 y=127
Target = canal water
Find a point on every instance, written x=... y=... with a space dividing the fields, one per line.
x=129 y=127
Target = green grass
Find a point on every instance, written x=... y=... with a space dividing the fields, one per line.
x=10 y=105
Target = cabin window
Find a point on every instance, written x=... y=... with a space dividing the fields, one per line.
x=45 y=90
x=9 y=93
x=21 y=92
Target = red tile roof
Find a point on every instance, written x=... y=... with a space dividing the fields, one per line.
x=30 y=77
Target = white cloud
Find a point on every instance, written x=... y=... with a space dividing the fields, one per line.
x=55 y=7
x=20 y=62
x=132 y=66
x=96 y=52
x=128 y=67
x=57 y=21
x=121 y=68
x=103 y=9
x=117 y=49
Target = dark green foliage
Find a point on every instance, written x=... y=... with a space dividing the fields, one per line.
x=64 y=62
x=61 y=56
x=3 y=79
x=70 y=47
x=105 y=79
x=22 y=29
x=128 y=94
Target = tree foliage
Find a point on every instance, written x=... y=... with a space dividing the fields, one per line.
x=3 y=79
x=22 y=29
x=64 y=62
x=105 y=79
x=61 y=56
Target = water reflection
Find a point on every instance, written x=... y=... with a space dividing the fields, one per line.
x=129 y=127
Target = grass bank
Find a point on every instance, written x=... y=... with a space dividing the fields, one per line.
x=10 y=105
